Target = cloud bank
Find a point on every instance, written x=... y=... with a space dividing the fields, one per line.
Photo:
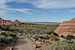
x=45 y=4
x=54 y=4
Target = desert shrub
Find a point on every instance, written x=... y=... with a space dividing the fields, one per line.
x=71 y=47
x=44 y=36
x=7 y=33
x=5 y=27
x=13 y=35
x=36 y=37
x=8 y=40
x=62 y=45
x=55 y=34
x=39 y=39
x=50 y=32
x=4 y=33
x=7 y=37
x=62 y=36
x=56 y=39
x=69 y=37
x=2 y=38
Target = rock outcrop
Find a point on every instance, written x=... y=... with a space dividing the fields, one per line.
x=66 y=28
x=5 y=22
x=17 y=22
x=8 y=22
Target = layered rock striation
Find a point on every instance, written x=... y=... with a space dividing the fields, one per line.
x=66 y=28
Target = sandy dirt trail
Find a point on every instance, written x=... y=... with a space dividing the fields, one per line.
x=23 y=43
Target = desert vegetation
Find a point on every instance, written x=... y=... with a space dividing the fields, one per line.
x=43 y=33
x=33 y=28
x=63 y=45
x=7 y=37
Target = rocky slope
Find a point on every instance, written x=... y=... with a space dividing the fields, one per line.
x=66 y=27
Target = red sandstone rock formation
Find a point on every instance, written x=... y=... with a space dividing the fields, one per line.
x=73 y=19
x=8 y=22
x=4 y=22
x=1 y=21
x=66 y=27
x=17 y=22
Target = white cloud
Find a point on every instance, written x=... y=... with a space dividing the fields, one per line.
x=25 y=11
x=50 y=4
x=72 y=11
x=5 y=8
x=2 y=12
x=47 y=4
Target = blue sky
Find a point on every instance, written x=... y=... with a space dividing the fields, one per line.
x=37 y=10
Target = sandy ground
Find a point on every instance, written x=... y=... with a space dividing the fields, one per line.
x=23 y=43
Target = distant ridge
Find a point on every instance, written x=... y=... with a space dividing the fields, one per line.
x=46 y=22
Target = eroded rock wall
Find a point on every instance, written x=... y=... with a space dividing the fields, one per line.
x=66 y=27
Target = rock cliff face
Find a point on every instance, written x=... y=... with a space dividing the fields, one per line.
x=66 y=27
x=8 y=22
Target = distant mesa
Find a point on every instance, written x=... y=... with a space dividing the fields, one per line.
x=8 y=22
x=66 y=28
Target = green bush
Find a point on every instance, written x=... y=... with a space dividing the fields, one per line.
x=55 y=34
x=13 y=35
x=62 y=45
x=2 y=38
x=69 y=37
x=2 y=32
x=5 y=27
x=50 y=32
x=8 y=40
x=62 y=36
x=7 y=37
